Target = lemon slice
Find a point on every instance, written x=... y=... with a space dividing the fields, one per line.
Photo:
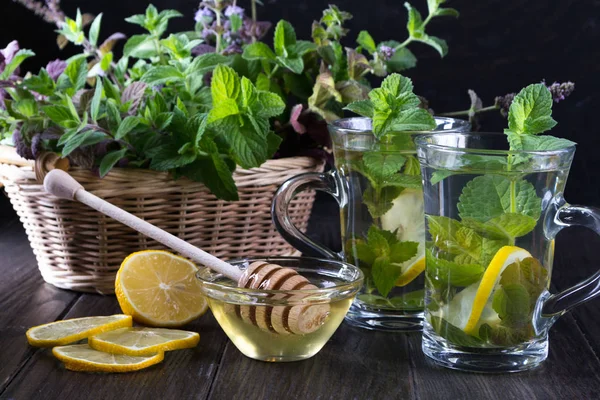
x=71 y=330
x=158 y=288
x=81 y=357
x=143 y=341
x=472 y=307
x=411 y=271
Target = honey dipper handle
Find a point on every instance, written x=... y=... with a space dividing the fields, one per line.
x=62 y=185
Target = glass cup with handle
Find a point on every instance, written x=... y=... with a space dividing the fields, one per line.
x=492 y=216
x=377 y=184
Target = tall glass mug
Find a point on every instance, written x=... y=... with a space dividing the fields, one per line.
x=491 y=219
x=378 y=187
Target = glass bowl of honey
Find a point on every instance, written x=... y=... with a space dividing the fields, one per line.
x=293 y=320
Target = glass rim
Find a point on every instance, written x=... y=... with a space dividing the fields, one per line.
x=337 y=125
x=421 y=142
x=230 y=288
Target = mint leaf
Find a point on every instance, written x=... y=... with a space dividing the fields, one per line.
x=366 y=41
x=415 y=22
x=95 y=30
x=544 y=142
x=446 y=272
x=140 y=46
x=381 y=166
x=531 y=110
x=294 y=64
x=403 y=251
x=60 y=115
x=512 y=304
x=404 y=181
x=285 y=39
x=17 y=59
x=454 y=334
x=361 y=107
x=489 y=196
x=127 y=125
x=416 y=119
x=304 y=46
x=505 y=226
x=82 y=139
x=205 y=63
x=249 y=148
x=359 y=249
x=379 y=202
x=258 y=51
x=438 y=44
x=402 y=59
x=225 y=84
x=271 y=105
x=384 y=274
x=161 y=75
x=109 y=161
x=530 y=274
x=95 y=105
x=378 y=242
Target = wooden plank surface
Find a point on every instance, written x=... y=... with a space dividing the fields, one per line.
x=184 y=374
x=25 y=300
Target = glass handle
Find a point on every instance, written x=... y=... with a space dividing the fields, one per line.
x=328 y=182
x=557 y=304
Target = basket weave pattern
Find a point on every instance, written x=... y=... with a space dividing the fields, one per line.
x=80 y=249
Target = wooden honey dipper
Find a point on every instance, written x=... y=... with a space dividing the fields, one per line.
x=297 y=319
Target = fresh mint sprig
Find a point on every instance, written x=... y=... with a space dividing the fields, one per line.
x=394 y=108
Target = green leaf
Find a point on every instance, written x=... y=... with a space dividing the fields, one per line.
x=381 y=166
x=161 y=75
x=366 y=41
x=109 y=161
x=416 y=119
x=303 y=47
x=16 y=61
x=447 y=12
x=225 y=108
x=402 y=59
x=106 y=61
x=531 y=110
x=128 y=124
x=384 y=274
x=76 y=73
x=412 y=166
x=415 y=22
x=137 y=19
x=378 y=241
x=438 y=44
x=60 y=115
x=453 y=334
x=271 y=105
x=42 y=83
x=452 y=237
x=512 y=304
x=258 y=51
x=404 y=180
x=361 y=250
x=215 y=174
x=295 y=64
x=361 y=107
x=95 y=105
x=488 y=196
x=206 y=63
x=167 y=157
x=95 y=30
x=505 y=226
x=82 y=139
x=544 y=143
x=447 y=272
x=236 y=22
x=225 y=84
x=140 y=46
x=380 y=202
x=403 y=251
x=530 y=274
x=249 y=148
x=285 y=38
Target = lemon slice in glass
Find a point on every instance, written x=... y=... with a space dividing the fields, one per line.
x=472 y=307
x=158 y=288
x=81 y=357
x=71 y=330
x=143 y=341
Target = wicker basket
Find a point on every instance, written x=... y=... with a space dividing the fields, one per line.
x=80 y=249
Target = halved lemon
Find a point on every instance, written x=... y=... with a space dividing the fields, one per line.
x=158 y=288
x=71 y=330
x=81 y=357
x=143 y=341
x=472 y=307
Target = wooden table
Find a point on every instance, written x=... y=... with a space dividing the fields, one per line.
x=355 y=364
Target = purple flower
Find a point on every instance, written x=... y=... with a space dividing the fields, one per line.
x=560 y=91
x=55 y=68
x=21 y=146
x=204 y=15
x=7 y=54
x=231 y=10
x=386 y=52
